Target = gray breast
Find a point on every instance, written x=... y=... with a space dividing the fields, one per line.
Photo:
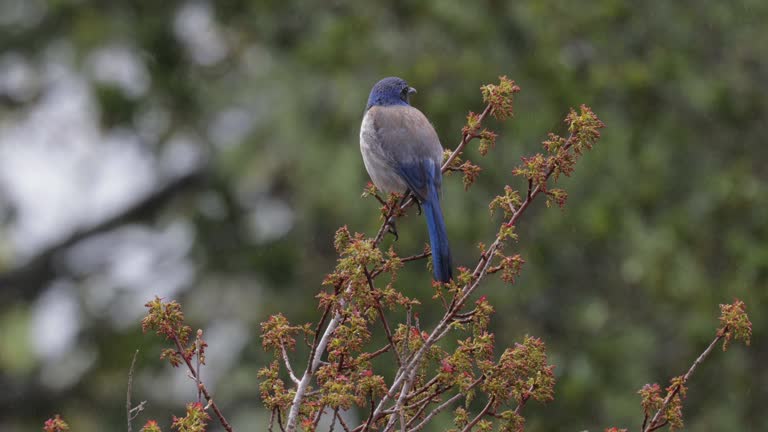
x=378 y=162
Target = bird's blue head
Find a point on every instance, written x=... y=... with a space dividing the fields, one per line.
x=390 y=91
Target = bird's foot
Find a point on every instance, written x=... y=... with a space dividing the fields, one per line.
x=409 y=193
x=392 y=229
x=418 y=206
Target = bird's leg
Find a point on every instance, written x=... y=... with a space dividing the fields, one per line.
x=416 y=200
x=391 y=228
x=418 y=205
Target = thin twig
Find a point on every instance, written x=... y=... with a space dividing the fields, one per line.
x=387 y=218
x=524 y=399
x=416 y=257
x=198 y=347
x=436 y=411
x=202 y=387
x=425 y=403
x=465 y=139
x=379 y=351
x=132 y=412
x=370 y=416
x=288 y=364
x=280 y=420
x=652 y=425
x=402 y=420
x=407 y=343
x=424 y=388
x=333 y=421
x=318 y=416
x=379 y=199
x=383 y=318
x=318 y=347
x=479 y=415
x=341 y=421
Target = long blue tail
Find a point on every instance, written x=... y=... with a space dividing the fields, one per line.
x=438 y=237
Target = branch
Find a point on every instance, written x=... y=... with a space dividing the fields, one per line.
x=524 y=399
x=445 y=405
x=479 y=416
x=130 y=411
x=465 y=139
x=424 y=404
x=425 y=387
x=436 y=411
x=198 y=348
x=288 y=364
x=416 y=257
x=653 y=423
x=314 y=361
x=382 y=317
x=341 y=421
x=202 y=387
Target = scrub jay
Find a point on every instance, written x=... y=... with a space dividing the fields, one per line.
x=402 y=152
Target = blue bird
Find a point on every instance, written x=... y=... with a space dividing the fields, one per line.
x=402 y=152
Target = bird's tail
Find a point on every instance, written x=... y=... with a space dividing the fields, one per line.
x=438 y=237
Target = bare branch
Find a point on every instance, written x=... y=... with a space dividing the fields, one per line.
x=201 y=386
x=436 y=411
x=198 y=348
x=424 y=404
x=341 y=421
x=288 y=364
x=132 y=412
x=314 y=361
x=479 y=416
x=280 y=420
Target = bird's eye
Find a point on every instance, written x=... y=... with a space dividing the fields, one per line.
x=405 y=91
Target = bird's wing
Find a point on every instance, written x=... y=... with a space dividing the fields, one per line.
x=409 y=143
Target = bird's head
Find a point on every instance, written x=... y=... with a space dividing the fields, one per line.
x=390 y=91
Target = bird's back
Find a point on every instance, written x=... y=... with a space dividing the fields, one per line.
x=393 y=137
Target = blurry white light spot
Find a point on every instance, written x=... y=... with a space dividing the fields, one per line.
x=197 y=30
x=18 y=79
x=230 y=127
x=270 y=219
x=60 y=173
x=55 y=321
x=120 y=66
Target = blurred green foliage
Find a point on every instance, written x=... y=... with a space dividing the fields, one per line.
x=667 y=217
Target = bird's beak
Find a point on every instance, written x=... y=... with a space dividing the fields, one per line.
x=411 y=90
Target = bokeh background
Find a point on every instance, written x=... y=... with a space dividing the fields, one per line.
x=207 y=151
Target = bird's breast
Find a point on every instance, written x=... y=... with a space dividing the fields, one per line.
x=377 y=160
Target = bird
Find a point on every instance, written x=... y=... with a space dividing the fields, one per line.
x=402 y=152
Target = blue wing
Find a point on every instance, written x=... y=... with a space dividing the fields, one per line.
x=408 y=143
